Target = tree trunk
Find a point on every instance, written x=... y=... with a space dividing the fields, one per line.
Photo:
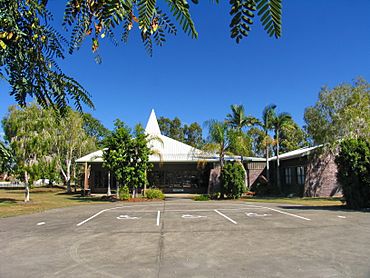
x=109 y=192
x=68 y=176
x=267 y=163
x=134 y=192
x=26 y=188
x=74 y=178
x=146 y=179
x=246 y=185
x=222 y=191
x=277 y=162
x=69 y=186
x=86 y=180
x=117 y=190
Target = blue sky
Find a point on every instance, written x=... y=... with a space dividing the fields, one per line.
x=323 y=43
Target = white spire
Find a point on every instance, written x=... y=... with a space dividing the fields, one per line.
x=152 y=126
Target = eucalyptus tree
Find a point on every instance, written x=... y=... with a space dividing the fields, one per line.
x=6 y=159
x=30 y=47
x=340 y=113
x=292 y=137
x=70 y=141
x=193 y=135
x=188 y=134
x=94 y=128
x=257 y=136
x=45 y=144
x=279 y=121
x=27 y=131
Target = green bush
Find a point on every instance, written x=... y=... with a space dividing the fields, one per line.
x=233 y=180
x=154 y=194
x=203 y=197
x=353 y=174
x=124 y=193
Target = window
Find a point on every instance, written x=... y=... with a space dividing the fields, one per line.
x=300 y=175
x=288 y=175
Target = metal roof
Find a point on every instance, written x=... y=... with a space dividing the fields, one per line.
x=168 y=149
x=296 y=153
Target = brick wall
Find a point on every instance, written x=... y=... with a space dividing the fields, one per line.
x=321 y=180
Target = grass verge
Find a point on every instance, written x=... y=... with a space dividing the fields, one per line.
x=11 y=201
x=307 y=201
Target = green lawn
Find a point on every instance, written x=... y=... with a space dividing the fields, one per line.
x=11 y=201
x=307 y=201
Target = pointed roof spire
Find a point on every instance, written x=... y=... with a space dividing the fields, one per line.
x=152 y=126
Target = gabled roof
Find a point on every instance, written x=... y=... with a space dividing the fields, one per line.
x=96 y=156
x=168 y=149
x=152 y=126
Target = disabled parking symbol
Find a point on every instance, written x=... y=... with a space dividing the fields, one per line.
x=189 y=216
x=253 y=214
x=123 y=217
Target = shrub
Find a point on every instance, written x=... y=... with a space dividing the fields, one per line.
x=353 y=174
x=124 y=192
x=215 y=195
x=154 y=194
x=203 y=197
x=233 y=180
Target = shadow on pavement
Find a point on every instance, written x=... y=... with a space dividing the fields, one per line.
x=329 y=208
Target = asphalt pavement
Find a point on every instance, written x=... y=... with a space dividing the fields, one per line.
x=184 y=238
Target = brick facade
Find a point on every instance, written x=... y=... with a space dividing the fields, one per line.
x=321 y=180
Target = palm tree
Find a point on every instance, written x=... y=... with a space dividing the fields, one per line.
x=237 y=118
x=279 y=121
x=268 y=115
x=220 y=138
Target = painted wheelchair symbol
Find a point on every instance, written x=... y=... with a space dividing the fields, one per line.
x=253 y=214
x=189 y=216
x=122 y=217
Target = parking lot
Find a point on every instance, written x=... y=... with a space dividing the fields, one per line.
x=184 y=238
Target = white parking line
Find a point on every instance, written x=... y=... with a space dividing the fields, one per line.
x=287 y=213
x=223 y=215
x=100 y=212
x=92 y=217
x=158 y=217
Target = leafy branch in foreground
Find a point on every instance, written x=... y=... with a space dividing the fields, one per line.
x=29 y=48
x=98 y=18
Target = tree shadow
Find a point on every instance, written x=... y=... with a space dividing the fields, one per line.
x=8 y=201
x=329 y=208
x=90 y=199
